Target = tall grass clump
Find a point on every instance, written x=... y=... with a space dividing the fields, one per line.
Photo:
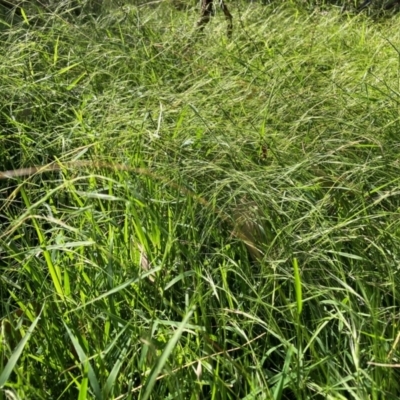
x=188 y=217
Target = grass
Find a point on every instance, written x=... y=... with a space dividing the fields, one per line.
x=212 y=219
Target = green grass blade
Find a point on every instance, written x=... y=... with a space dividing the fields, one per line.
x=12 y=362
x=297 y=286
x=278 y=391
x=115 y=370
x=164 y=356
x=83 y=389
x=55 y=272
x=94 y=383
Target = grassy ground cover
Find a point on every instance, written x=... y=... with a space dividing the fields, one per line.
x=214 y=219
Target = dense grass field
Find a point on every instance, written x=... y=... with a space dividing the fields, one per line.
x=207 y=219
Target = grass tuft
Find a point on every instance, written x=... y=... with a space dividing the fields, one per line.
x=189 y=217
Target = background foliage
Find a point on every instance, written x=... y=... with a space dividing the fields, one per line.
x=207 y=218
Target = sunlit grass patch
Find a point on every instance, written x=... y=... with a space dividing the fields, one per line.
x=193 y=217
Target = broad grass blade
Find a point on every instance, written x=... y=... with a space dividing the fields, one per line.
x=84 y=359
x=297 y=286
x=164 y=356
x=12 y=362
